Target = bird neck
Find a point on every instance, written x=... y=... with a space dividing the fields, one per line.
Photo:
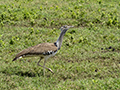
x=60 y=39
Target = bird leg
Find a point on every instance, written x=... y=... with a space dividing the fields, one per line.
x=44 y=66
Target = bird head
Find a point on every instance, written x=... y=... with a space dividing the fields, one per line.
x=65 y=27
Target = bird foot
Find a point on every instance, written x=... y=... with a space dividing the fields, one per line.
x=50 y=70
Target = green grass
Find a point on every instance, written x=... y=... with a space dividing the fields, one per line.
x=89 y=58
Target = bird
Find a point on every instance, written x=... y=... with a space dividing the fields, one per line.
x=44 y=50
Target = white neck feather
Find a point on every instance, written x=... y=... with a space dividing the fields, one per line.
x=60 y=39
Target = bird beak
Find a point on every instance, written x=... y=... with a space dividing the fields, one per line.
x=70 y=26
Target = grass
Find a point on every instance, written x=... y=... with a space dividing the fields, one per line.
x=90 y=55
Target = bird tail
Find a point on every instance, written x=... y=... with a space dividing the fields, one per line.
x=15 y=59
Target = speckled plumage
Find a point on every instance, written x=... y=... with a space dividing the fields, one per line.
x=41 y=50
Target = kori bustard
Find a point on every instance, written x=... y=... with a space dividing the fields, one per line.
x=44 y=50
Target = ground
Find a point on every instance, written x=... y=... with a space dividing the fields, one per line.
x=89 y=58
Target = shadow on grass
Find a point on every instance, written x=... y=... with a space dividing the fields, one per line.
x=20 y=73
x=26 y=74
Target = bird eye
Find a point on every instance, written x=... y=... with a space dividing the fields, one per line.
x=65 y=26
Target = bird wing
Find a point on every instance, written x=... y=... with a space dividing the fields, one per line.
x=39 y=49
